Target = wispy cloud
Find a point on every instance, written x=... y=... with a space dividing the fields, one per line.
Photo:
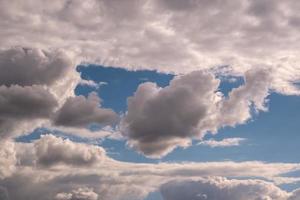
x=227 y=142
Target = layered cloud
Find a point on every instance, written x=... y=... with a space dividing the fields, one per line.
x=56 y=168
x=160 y=119
x=221 y=188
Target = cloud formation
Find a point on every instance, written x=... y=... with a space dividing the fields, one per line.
x=37 y=87
x=161 y=119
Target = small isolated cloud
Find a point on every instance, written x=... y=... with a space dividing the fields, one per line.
x=91 y=83
x=227 y=142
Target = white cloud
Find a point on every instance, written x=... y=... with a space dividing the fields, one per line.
x=227 y=142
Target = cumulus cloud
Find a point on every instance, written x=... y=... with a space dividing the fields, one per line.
x=33 y=84
x=161 y=119
x=80 y=112
x=51 y=150
x=227 y=142
x=37 y=86
x=22 y=104
x=27 y=66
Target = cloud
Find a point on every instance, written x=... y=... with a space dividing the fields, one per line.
x=53 y=168
x=37 y=87
x=80 y=112
x=227 y=142
x=166 y=35
x=23 y=104
x=27 y=66
x=161 y=119
x=222 y=188
x=8 y=159
x=79 y=194
x=51 y=150
x=91 y=83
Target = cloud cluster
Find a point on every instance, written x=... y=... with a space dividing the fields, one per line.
x=37 y=87
x=161 y=119
x=171 y=36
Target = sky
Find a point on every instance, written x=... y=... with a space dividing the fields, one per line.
x=149 y=100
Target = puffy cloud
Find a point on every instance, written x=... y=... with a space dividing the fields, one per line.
x=51 y=150
x=160 y=119
x=221 y=188
x=26 y=66
x=22 y=104
x=227 y=142
x=80 y=112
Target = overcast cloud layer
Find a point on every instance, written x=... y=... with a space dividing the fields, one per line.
x=175 y=36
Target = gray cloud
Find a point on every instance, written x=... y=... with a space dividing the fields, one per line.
x=27 y=66
x=80 y=112
x=161 y=119
x=20 y=104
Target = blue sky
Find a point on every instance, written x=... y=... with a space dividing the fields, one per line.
x=271 y=136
